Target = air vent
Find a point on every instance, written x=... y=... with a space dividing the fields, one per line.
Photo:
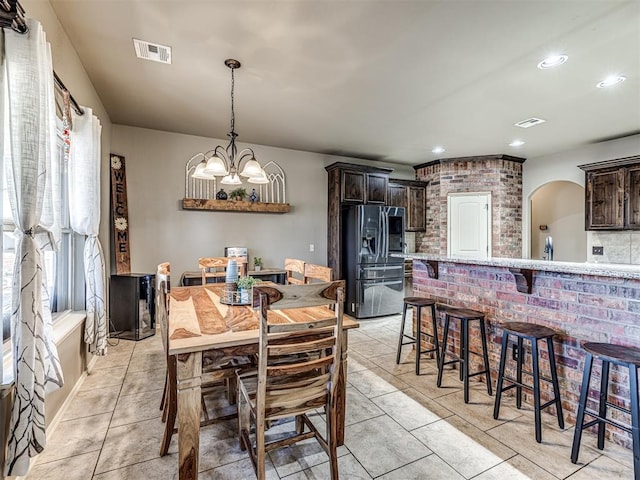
x=529 y=122
x=152 y=51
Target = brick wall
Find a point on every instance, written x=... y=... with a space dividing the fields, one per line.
x=499 y=174
x=579 y=307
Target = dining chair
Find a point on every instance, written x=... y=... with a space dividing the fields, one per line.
x=216 y=267
x=306 y=381
x=317 y=273
x=212 y=376
x=295 y=271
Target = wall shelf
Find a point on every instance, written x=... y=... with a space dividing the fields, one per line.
x=234 y=206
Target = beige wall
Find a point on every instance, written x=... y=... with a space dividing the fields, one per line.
x=538 y=171
x=559 y=206
x=161 y=231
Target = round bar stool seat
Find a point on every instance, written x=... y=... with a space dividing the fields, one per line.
x=418 y=303
x=464 y=315
x=622 y=356
x=533 y=333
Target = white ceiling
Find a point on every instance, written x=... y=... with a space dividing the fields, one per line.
x=385 y=80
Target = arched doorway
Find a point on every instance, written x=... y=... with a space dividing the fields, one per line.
x=560 y=207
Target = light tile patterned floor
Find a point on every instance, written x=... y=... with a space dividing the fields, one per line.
x=399 y=426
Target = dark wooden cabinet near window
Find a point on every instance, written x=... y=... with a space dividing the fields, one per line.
x=411 y=195
x=612 y=194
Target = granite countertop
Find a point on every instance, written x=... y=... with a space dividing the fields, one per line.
x=597 y=269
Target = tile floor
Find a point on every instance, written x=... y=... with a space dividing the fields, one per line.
x=399 y=426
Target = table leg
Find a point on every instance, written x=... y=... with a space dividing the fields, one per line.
x=341 y=390
x=189 y=371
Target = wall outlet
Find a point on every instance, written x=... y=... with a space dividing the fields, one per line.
x=597 y=250
x=514 y=351
x=312 y=247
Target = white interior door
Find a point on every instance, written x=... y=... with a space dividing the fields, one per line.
x=469 y=225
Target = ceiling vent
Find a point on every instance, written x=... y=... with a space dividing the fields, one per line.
x=152 y=51
x=529 y=122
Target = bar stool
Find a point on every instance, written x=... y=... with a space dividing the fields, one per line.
x=465 y=316
x=533 y=333
x=618 y=355
x=417 y=303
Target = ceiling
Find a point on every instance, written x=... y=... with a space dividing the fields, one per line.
x=385 y=80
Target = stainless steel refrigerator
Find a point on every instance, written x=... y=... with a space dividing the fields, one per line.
x=375 y=279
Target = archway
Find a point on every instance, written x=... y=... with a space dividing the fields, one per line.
x=559 y=206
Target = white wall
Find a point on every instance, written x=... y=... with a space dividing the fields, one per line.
x=539 y=171
x=161 y=231
x=559 y=206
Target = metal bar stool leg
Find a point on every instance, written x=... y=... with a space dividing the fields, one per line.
x=602 y=407
x=536 y=389
x=485 y=355
x=445 y=335
x=635 y=418
x=584 y=393
x=436 y=344
x=503 y=360
x=519 y=362
x=554 y=380
x=464 y=334
x=463 y=348
x=418 y=337
x=404 y=315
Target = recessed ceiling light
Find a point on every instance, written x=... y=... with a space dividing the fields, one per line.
x=516 y=143
x=438 y=150
x=552 y=61
x=611 y=81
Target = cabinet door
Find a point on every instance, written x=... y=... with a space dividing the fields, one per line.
x=377 y=188
x=397 y=195
x=604 y=200
x=633 y=197
x=416 y=209
x=353 y=187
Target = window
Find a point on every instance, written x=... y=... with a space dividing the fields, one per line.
x=63 y=269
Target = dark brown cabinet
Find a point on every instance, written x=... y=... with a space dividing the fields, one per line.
x=364 y=188
x=377 y=188
x=411 y=195
x=612 y=194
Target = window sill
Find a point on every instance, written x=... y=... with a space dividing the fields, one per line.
x=64 y=325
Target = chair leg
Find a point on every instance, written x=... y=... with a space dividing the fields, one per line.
x=164 y=395
x=519 y=363
x=232 y=393
x=503 y=360
x=602 y=407
x=332 y=437
x=485 y=355
x=463 y=348
x=260 y=448
x=300 y=424
x=436 y=343
x=172 y=411
x=400 y=338
x=418 y=338
x=244 y=414
x=536 y=389
x=444 y=350
x=554 y=380
x=464 y=334
x=635 y=418
x=584 y=393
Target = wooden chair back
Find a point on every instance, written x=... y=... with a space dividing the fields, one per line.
x=317 y=273
x=163 y=285
x=216 y=267
x=295 y=271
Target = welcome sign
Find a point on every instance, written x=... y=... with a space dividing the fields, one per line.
x=120 y=216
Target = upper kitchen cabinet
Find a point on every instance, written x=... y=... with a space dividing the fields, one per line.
x=612 y=194
x=412 y=196
x=359 y=187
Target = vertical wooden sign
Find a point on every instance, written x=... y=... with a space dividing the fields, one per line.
x=120 y=214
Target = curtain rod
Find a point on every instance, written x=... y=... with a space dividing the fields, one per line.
x=62 y=87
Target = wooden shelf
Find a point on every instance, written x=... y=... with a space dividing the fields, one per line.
x=233 y=206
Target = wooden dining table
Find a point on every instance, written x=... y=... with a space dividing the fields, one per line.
x=199 y=321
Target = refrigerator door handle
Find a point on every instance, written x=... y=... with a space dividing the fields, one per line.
x=378 y=283
x=386 y=222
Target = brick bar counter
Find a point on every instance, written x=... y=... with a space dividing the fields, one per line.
x=582 y=301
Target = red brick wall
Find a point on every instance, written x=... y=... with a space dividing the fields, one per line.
x=503 y=178
x=579 y=307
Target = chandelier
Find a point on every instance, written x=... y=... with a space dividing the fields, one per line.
x=225 y=162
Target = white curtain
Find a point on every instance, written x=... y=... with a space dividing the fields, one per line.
x=28 y=146
x=84 y=216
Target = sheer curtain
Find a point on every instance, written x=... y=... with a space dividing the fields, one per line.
x=84 y=216
x=28 y=145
